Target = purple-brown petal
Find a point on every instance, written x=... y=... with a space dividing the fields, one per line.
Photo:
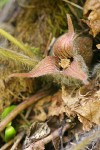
x=63 y=47
x=46 y=66
x=75 y=71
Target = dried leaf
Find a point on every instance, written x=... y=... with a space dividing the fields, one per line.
x=36 y=132
x=85 y=106
x=39 y=109
x=92 y=11
x=89 y=109
x=86 y=123
x=57 y=105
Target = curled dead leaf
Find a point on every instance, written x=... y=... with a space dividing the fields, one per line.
x=92 y=11
x=86 y=123
x=86 y=107
x=57 y=105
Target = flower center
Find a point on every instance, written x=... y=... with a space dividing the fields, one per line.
x=64 y=63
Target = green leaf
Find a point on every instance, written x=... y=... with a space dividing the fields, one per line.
x=10 y=132
x=7 y=111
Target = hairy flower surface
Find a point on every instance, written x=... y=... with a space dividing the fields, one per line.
x=66 y=61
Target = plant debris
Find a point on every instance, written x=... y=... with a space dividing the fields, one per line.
x=92 y=11
x=55 y=103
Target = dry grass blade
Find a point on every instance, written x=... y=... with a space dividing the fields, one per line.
x=73 y=4
x=17 y=43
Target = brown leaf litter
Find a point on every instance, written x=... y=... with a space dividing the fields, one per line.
x=92 y=11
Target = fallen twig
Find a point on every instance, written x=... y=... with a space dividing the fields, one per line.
x=17 y=141
x=21 y=107
x=49 y=138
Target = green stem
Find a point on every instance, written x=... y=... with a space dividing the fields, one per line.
x=16 y=42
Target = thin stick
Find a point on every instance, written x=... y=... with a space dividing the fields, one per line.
x=73 y=4
x=49 y=138
x=21 y=107
x=17 y=141
x=28 y=111
x=24 y=118
x=16 y=42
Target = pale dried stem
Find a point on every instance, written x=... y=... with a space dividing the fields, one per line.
x=17 y=141
x=49 y=138
x=73 y=4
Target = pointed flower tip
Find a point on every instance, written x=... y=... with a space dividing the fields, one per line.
x=63 y=47
x=19 y=75
x=44 y=67
x=70 y=24
x=75 y=71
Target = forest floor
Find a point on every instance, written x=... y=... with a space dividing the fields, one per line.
x=49 y=86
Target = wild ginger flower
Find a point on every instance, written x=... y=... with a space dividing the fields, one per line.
x=67 y=60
